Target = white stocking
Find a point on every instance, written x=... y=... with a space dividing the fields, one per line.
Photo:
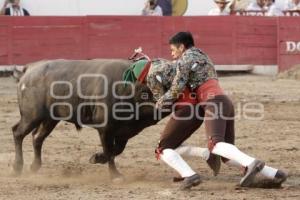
x=174 y=160
x=231 y=152
x=267 y=171
x=191 y=151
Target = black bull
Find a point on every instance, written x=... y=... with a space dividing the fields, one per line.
x=83 y=93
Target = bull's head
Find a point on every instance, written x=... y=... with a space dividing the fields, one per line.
x=19 y=71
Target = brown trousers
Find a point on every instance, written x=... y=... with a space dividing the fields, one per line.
x=177 y=131
x=219 y=123
x=219 y=120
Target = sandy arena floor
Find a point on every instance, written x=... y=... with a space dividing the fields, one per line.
x=66 y=173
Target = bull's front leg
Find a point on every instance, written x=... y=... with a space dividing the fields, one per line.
x=100 y=157
x=115 y=175
x=107 y=141
x=20 y=130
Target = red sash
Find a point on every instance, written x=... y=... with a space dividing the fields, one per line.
x=208 y=90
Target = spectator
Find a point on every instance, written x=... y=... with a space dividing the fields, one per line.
x=271 y=8
x=166 y=6
x=222 y=8
x=241 y=5
x=257 y=5
x=292 y=5
x=152 y=9
x=256 y=8
x=13 y=8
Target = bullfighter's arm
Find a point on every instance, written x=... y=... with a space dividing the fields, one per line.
x=180 y=80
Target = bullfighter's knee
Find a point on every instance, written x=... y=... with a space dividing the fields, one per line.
x=162 y=145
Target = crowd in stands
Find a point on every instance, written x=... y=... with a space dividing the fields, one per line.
x=13 y=8
x=164 y=8
x=256 y=7
x=292 y=5
x=228 y=7
x=157 y=8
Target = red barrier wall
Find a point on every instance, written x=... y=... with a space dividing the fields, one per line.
x=227 y=40
x=5 y=58
x=288 y=43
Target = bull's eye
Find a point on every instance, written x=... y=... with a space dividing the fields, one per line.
x=144 y=96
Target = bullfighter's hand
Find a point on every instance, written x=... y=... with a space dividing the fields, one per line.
x=160 y=103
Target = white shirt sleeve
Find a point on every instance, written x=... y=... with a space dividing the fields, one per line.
x=212 y=12
x=217 y=12
x=158 y=11
x=287 y=5
x=274 y=11
x=253 y=7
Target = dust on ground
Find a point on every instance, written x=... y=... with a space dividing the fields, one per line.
x=66 y=173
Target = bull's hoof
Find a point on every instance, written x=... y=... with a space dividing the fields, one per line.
x=18 y=168
x=35 y=167
x=98 y=158
x=118 y=179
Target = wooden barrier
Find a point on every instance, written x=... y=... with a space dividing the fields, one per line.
x=290 y=13
x=228 y=40
x=288 y=43
x=250 y=13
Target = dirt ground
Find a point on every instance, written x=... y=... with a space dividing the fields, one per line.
x=66 y=173
x=292 y=73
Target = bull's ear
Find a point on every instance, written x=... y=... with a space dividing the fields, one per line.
x=21 y=68
x=16 y=75
x=18 y=72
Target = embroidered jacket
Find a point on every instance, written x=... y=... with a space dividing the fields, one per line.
x=192 y=70
x=160 y=77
